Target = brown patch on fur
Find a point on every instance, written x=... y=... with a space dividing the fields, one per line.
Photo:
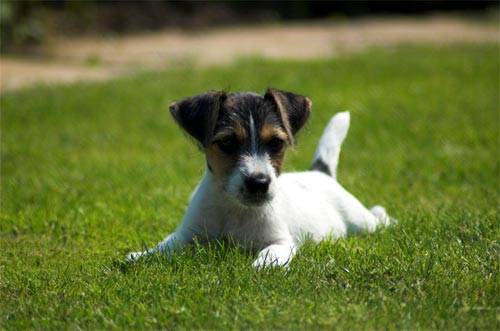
x=268 y=132
x=284 y=116
x=237 y=130
x=240 y=132
x=277 y=161
x=220 y=163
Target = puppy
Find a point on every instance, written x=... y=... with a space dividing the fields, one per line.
x=244 y=197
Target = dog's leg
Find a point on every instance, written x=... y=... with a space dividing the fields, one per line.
x=276 y=255
x=169 y=245
x=381 y=215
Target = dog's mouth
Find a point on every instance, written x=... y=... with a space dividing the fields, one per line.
x=255 y=200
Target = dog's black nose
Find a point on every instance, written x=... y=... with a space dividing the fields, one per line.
x=257 y=183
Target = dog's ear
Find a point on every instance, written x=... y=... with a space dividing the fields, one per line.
x=293 y=109
x=198 y=114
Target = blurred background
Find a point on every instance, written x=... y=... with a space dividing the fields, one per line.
x=64 y=41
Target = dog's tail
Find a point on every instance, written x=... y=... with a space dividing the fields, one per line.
x=326 y=157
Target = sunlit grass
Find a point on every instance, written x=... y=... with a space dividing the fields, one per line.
x=90 y=172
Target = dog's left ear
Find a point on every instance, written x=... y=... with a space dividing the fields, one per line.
x=198 y=114
x=293 y=109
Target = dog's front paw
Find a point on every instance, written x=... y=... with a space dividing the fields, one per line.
x=274 y=257
x=382 y=217
x=269 y=262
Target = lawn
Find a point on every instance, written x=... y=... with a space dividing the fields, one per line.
x=92 y=171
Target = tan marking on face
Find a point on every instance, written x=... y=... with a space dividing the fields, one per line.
x=240 y=132
x=277 y=161
x=237 y=130
x=221 y=163
x=268 y=132
x=223 y=134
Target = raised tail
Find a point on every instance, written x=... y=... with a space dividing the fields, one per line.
x=326 y=157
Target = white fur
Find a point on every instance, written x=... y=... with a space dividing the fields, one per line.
x=250 y=164
x=307 y=204
x=329 y=145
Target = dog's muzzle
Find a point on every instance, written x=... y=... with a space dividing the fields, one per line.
x=256 y=188
x=257 y=183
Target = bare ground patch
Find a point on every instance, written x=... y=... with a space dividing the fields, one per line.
x=77 y=59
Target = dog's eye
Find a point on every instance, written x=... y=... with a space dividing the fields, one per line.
x=228 y=145
x=275 y=145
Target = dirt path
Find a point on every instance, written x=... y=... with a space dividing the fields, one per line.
x=101 y=58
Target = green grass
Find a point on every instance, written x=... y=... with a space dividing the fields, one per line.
x=93 y=171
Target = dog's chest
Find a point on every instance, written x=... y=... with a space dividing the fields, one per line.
x=249 y=230
x=211 y=214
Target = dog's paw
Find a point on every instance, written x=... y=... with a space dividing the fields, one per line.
x=270 y=259
x=267 y=262
x=381 y=214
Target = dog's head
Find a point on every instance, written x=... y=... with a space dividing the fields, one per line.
x=244 y=137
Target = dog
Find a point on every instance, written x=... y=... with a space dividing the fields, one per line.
x=244 y=197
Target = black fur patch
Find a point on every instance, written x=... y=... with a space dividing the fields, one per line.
x=321 y=166
x=197 y=115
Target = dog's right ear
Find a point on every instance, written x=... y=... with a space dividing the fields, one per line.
x=198 y=114
x=293 y=109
